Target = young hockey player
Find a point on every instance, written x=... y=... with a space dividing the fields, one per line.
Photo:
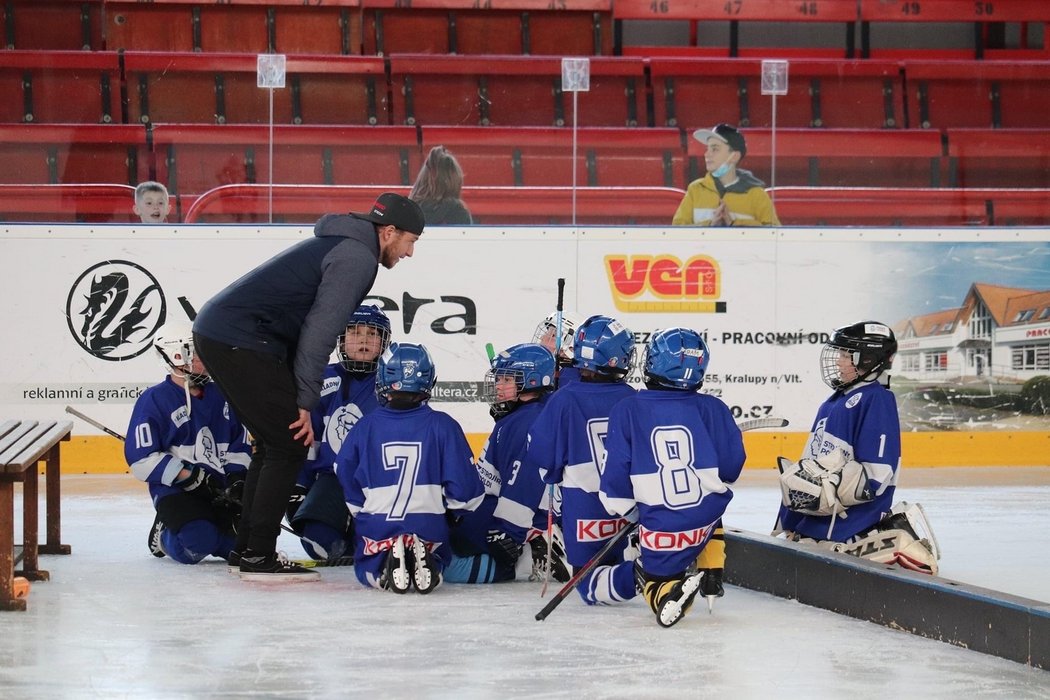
x=488 y=541
x=670 y=454
x=841 y=491
x=402 y=468
x=546 y=334
x=192 y=451
x=317 y=509
x=567 y=442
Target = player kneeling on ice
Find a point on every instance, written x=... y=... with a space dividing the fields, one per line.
x=402 y=468
x=841 y=492
x=670 y=453
x=184 y=442
x=317 y=509
x=566 y=442
x=488 y=541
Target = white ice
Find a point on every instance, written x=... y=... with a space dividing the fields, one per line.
x=114 y=622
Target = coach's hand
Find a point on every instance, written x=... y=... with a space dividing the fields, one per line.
x=304 y=428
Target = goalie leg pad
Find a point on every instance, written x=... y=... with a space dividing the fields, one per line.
x=893 y=546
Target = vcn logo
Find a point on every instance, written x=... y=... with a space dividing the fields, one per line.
x=114 y=308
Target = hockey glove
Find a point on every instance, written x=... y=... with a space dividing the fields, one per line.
x=200 y=480
x=502 y=548
x=234 y=492
x=295 y=500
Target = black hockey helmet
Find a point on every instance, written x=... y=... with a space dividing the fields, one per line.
x=869 y=345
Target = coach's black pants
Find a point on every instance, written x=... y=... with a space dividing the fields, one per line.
x=261 y=390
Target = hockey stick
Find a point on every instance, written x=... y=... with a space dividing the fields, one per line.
x=550 y=489
x=753 y=424
x=92 y=422
x=188 y=308
x=113 y=433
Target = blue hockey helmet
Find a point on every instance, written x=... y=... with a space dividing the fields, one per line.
x=530 y=365
x=603 y=345
x=405 y=367
x=366 y=337
x=676 y=358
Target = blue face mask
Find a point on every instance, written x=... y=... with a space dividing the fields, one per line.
x=721 y=170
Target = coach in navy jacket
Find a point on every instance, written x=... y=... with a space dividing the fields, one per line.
x=266 y=339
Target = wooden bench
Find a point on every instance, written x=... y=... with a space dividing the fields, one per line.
x=23 y=445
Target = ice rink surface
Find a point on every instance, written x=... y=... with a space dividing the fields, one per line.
x=114 y=622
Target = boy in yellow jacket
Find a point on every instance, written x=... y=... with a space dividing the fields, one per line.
x=726 y=195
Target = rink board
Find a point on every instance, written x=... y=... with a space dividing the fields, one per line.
x=967 y=616
x=84 y=302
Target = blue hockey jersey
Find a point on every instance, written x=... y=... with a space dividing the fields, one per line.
x=519 y=501
x=567 y=441
x=401 y=471
x=345 y=398
x=671 y=453
x=864 y=424
x=163 y=437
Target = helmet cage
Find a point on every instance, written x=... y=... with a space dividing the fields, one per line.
x=174 y=346
x=546 y=334
x=869 y=354
x=369 y=316
x=530 y=365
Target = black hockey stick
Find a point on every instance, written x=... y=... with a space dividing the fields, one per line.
x=191 y=312
x=560 y=308
x=113 y=433
x=753 y=424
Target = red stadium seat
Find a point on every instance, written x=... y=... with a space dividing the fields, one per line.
x=874 y=206
x=978 y=94
x=60 y=87
x=733 y=13
x=57 y=203
x=193 y=158
x=52 y=25
x=250 y=26
x=999 y=158
x=513 y=91
x=492 y=205
x=840 y=157
x=700 y=92
x=983 y=14
x=73 y=153
x=219 y=88
x=537 y=27
x=535 y=156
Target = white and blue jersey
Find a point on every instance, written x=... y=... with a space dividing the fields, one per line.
x=671 y=453
x=401 y=470
x=864 y=424
x=346 y=397
x=515 y=493
x=567 y=441
x=164 y=437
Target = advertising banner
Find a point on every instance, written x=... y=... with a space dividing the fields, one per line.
x=971 y=309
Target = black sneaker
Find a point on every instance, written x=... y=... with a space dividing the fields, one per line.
x=397 y=574
x=233 y=561
x=711 y=586
x=154 y=538
x=424 y=574
x=274 y=568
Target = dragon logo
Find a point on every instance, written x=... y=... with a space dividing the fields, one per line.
x=114 y=308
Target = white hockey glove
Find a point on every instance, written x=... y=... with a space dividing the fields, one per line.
x=807 y=487
x=854 y=484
